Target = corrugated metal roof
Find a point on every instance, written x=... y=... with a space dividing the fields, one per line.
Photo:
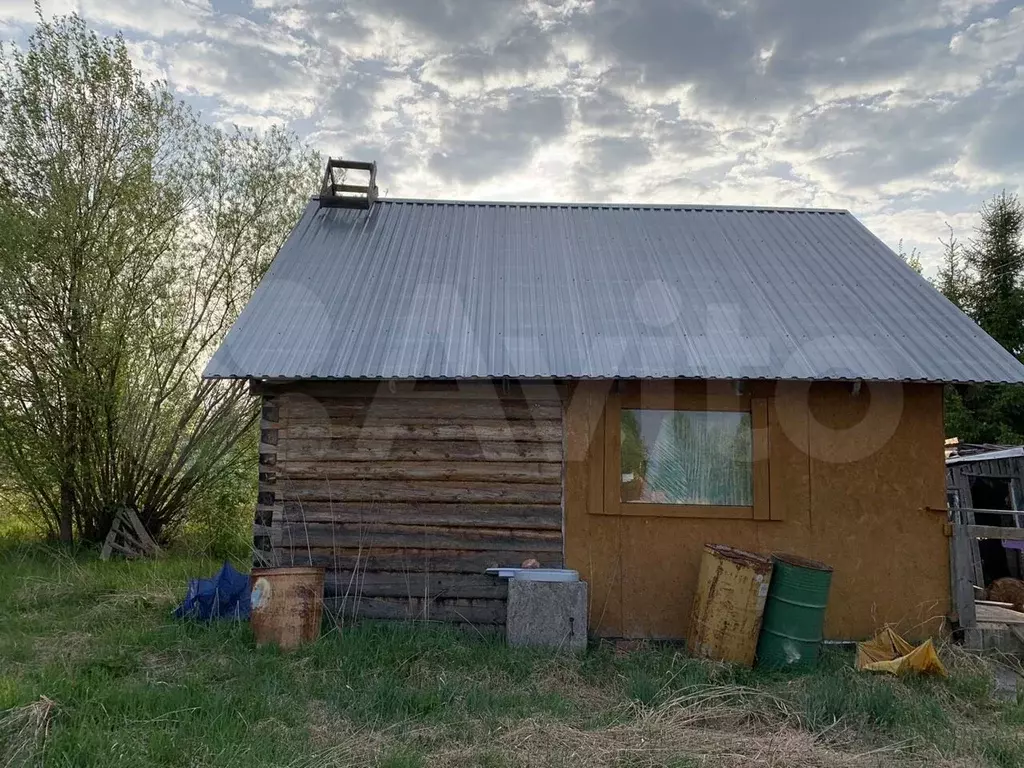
x=1015 y=452
x=429 y=289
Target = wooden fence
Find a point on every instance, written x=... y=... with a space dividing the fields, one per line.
x=965 y=562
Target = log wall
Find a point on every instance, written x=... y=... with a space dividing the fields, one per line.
x=407 y=492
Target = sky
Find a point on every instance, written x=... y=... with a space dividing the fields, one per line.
x=909 y=113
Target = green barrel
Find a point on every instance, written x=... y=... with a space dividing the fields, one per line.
x=794 y=613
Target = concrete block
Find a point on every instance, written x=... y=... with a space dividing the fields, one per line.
x=547 y=614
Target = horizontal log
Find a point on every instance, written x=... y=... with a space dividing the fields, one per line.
x=356 y=188
x=535 y=516
x=355 y=165
x=420 y=389
x=496 y=471
x=482 y=430
x=327 y=449
x=995 y=532
x=304 y=408
x=471 y=611
x=403 y=559
x=370 y=535
x=432 y=586
x=417 y=490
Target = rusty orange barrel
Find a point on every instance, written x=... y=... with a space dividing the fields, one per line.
x=287 y=604
x=727 y=609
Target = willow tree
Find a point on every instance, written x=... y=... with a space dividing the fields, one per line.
x=131 y=233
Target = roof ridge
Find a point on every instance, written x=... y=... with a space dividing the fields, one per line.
x=609 y=205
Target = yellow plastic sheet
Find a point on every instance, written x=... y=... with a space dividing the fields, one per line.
x=888 y=652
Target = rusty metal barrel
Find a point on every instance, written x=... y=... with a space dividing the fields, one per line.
x=287 y=604
x=727 y=609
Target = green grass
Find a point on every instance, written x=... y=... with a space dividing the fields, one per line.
x=96 y=672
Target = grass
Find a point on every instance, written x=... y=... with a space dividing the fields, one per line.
x=97 y=672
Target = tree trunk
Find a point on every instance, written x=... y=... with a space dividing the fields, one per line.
x=67 y=507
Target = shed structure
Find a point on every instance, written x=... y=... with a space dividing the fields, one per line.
x=985 y=485
x=449 y=386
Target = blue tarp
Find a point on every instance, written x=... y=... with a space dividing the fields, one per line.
x=225 y=596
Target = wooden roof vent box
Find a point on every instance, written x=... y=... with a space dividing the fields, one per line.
x=335 y=192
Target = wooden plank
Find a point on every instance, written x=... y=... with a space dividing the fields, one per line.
x=966 y=515
x=645 y=509
x=789 y=466
x=667 y=401
x=415 y=583
x=354 y=535
x=352 y=165
x=994 y=614
x=128 y=540
x=327 y=449
x=484 y=430
x=126 y=551
x=963 y=592
x=598 y=538
x=108 y=544
x=366 y=408
x=419 y=490
x=977 y=571
x=533 y=391
x=993 y=532
x=356 y=188
x=402 y=559
x=505 y=472
x=140 y=531
x=533 y=516
x=471 y=611
x=612 y=457
x=760 y=468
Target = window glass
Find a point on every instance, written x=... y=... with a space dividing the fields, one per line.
x=686 y=457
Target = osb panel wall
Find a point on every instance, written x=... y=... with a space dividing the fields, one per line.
x=407 y=494
x=851 y=477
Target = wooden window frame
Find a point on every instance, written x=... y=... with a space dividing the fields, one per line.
x=669 y=397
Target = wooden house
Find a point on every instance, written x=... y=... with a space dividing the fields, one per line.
x=449 y=386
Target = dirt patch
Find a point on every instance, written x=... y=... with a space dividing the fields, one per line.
x=337 y=740
x=64 y=648
x=23 y=732
x=558 y=677
x=551 y=744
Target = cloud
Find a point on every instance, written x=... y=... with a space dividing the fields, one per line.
x=611 y=154
x=155 y=17
x=906 y=112
x=516 y=60
x=867 y=142
x=997 y=143
x=243 y=76
x=666 y=43
x=605 y=109
x=21 y=11
x=478 y=140
x=450 y=22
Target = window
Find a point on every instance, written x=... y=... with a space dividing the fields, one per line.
x=699 y=458
x=685 y=449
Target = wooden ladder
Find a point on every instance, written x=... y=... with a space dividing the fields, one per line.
x=335 y=193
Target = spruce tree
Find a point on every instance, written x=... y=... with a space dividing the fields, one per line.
x=984 y=279
x=996 y=257
x=953 y=279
